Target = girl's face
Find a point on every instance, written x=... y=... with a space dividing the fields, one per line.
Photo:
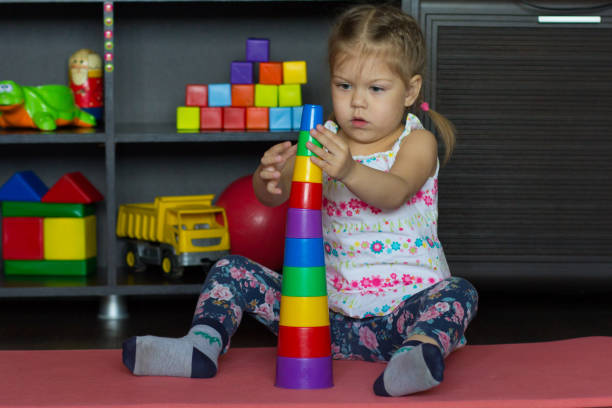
x=369 y=102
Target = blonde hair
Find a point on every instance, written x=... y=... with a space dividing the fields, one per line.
x=385 y=31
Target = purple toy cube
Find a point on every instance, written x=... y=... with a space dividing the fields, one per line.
x=242 y=72
x=258 y=49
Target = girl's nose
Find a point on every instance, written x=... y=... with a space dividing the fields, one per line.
x=358 y=100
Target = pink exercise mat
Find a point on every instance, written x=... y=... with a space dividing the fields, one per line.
x=567 y=373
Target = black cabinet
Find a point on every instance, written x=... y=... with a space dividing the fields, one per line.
x=528 y=191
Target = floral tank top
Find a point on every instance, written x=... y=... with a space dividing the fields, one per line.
x=375 y=259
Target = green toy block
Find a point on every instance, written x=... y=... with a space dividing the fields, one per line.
x=51 y=268
x=188 y=118
x=266 y=95
x=290 y=95
x=33 y=209
x=304 y=281
x=303 y=138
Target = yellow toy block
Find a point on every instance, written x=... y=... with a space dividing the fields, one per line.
x=188 y=118
x=290 y=95
x=69 y=238
x=294 y=72
x=297 y=311
x=266 y=96
x=306 y=171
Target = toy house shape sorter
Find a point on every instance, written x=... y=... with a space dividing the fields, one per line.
x=51 y=232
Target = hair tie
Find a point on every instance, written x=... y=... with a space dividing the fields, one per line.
x=424 y=106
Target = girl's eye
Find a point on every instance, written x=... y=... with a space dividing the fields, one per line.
x=377 y=89
x=343 y=85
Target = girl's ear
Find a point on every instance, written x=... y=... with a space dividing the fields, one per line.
x=413 y=91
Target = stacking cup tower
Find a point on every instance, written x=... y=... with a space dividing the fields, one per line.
x=304 y=343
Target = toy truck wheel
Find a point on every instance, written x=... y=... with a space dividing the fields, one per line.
x=169 y=266
x=131 y=258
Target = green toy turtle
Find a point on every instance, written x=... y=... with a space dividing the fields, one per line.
x=44 y=107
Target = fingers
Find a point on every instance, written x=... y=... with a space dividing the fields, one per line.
x=278 y=154
x=334 y=157
x=272 y=164
x=326 y=137
x=269 y=173
x=273 y=188
x=321 y=163
x=328 y=141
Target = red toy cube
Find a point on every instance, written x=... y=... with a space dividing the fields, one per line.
x=271 y=73
x=196 y=95
x=211 y=118
x=22 y=238
x=234 y=118
x=257 y=118
x=243 y=95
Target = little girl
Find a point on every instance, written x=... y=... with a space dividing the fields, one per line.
x=390 y=293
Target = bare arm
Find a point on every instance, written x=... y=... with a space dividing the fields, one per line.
x=272 y=179
x=415 y=162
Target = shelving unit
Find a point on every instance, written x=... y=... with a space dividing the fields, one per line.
x=160 y=46
x=136 y=154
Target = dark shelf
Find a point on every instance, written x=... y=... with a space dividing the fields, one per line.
x=229 y=1
x=149 y=282
x=172 y=1
x=153 y=282
x=62 y=135
x=164 y=133
x=52 y=1
x=22 y=286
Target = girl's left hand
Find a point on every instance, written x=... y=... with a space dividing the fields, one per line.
x=335 y=157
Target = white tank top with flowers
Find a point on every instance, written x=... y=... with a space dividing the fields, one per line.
x=376 y=259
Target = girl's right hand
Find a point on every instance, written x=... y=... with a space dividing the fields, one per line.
x=273 y=162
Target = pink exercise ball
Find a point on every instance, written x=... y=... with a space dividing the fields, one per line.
x=256 y=231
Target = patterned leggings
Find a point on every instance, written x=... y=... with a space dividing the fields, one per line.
x=443 y=311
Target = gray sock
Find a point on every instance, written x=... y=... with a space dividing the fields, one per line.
x=194 y=355
x=413 y=368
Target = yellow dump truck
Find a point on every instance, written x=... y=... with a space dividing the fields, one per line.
x=173 y=232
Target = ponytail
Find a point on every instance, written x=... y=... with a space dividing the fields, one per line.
x=446 y=130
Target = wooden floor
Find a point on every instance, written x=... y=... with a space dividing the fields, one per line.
x=72 y=323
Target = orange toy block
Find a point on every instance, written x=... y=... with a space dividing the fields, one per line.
x=243 y=95
x=73 y=188
x=257 y=118
x=271 y=73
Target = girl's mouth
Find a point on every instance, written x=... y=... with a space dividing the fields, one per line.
x=358 y=122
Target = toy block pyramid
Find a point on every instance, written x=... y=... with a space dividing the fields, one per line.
x=243 y=100
x=304 y=341
x=49 y=231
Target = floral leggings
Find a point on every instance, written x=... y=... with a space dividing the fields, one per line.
x=443 y=311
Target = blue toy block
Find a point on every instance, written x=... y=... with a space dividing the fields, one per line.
x=242 y=72
x=23 y=186
x=296 y=117
x=219 y=95
x=311 y=116
x=280 y=118
x=304 y=252
x=258 y=49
